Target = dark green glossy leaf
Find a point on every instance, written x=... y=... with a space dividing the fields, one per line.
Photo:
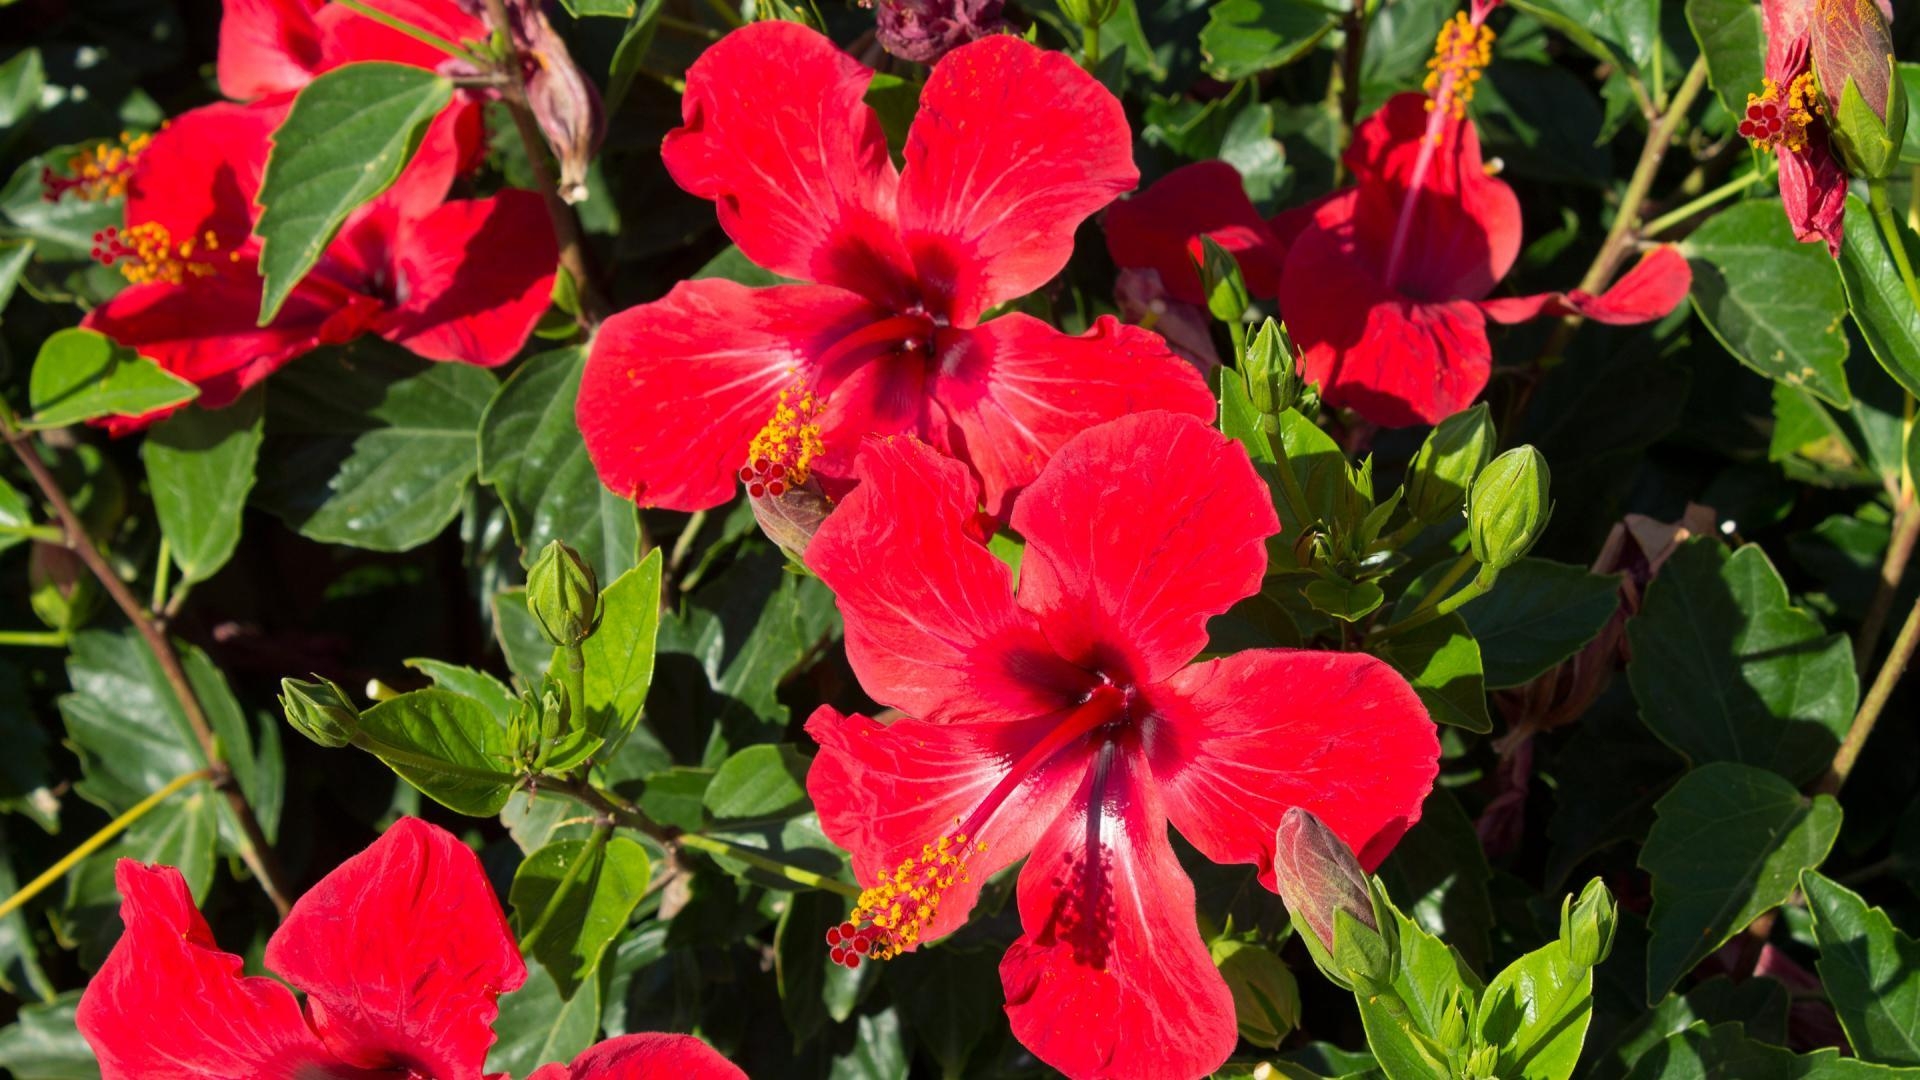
x=448 y=745
x=1870 y=972
x=1724 y=1052
x=1731 y=37
x=1725 y=668
x=1539 y=613
x=1775 y=303
x=1729 y=842
x=620 y=653
x=949 y=997
x=759 y=782
x=572 y=897
x=1442 y=661
x=1882 y=308
x=200 y=467
x=1758 y=1004
x=878 y=1051
x=82 y=375
x=478 y=685
x=631 y=53
x=1615 y=30
x=346 y=139
x=1438 y=874
x=44 y=1044
x=1246 y=37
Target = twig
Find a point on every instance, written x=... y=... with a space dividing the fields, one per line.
x=98 y=840
x=1906 y=528
x=1870 y=709
x=254 y=849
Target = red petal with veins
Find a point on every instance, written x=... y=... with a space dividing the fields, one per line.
x=1012 y=148
x=402 y=952
x=778 y=135
x=1011 y=392
x=267 y=47
x=1813 y=187
x=349 y=37
x=884 y=790
x=474 y=277
x=1158 y=229
x=1347 y=739
x=1128 y=554
x=931 y=625
x=1110 y=978
x=170 y=1005
x=675 y=390
x=650 y=1056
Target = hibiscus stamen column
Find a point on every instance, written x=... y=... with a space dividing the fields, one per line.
x=1461 y=54
x=889 y=917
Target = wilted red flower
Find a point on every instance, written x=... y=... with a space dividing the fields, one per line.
x=1065 y=723
x=407 y=266
x=1385 y=286
x=402 y=952
x=719 y=383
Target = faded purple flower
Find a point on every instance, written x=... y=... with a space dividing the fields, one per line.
x=926 y=30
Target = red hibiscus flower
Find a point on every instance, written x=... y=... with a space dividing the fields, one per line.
x=1063 y=722
x=402 y=952
x=1785 y=117
x=270 y=47
x=1386 y=285
x=1013 y=147
x=407 y=266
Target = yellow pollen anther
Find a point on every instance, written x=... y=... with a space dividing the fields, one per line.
x=1775 y=119
x=1460 y=56
x=146 y=253
x=889 y=918
x=790 y=440
x=98 y=172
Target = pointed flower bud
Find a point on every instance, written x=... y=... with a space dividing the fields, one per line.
x=319 y=710
x=1587 y=924
x=563 y=595
x=1091 y=14
x=1273 y=375
x=1508 y=507
x=1866 y=104
x=1220 y=278
x=1326 y=890
x=1454 y=453
x=790 y=518
x=562 y=99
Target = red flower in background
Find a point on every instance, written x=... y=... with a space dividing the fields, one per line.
x=401 y=951
x=1012 y=148
x=419 y=271
x=1385 y=285
x=270 y=47
x=1064 y=722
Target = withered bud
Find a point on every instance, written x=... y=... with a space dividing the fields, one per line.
x=926 y=30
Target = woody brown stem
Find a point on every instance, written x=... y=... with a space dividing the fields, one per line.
x=254 y=849
x=566 y=226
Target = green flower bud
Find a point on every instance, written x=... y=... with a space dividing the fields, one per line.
x=1866 y=105
x=1266 y=998
x=1508 y=507
x=319 y=710
x=1482 y=1063
x=563 y=595
x=1220 y=279
x=1273 y=375
x=1454 y=453
x=1453 y=1022
x=1587 y=924
x=1091 y=14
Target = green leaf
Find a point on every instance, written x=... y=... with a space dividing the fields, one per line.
x=1734 y=42
x=631 y=54
x=763 y=781
x=44 y=1043
x=1725 y=668
x=62 y=231
x=814 y=990
x=620 y=653
x=615 y=9
x=1442 y=661
x=537 y=1025
x=531 y=453
x=878 y=1051
x=1724 y=1052
x=1729 y=842
x=949 y=998
x=82 y=375
x=1878 y=299
x=345 y=140
x=1536 y=1012
x=448 y=745
x=200 y=465
x=371 y=447
x=22 y=80
x=1428 y=978
x=14 y=257
x=572 y=897
x=1775 y=303
x=1539 y=613
x=1611 y=30
x=1243 y=38
x=1869 y=971
x=1758 y=1004
x=478 y=685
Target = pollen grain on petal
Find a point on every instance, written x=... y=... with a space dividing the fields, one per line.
x=96 y=173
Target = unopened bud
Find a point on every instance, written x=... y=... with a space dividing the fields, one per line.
x=564 y=102
x=1508 y=507
x=1319 y=879
x=1587 y=924
x=563 y=595
x=1453 y=1022
x=1091 y=14
x=1266 y=998
x=1442 y=472
x=1274 y=382
x=319 y=710
x=1482 y=1064
x=60 y=588
x=1220 y=279
x=1866 y=104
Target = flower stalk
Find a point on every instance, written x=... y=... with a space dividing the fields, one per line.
x=98 y=840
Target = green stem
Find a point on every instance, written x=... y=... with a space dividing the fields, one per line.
x=573 y=677
x=420 y=34
x=1720 y=194
x=688 y=26
x=597 y=842
x=160 y=574
x=98 y=840
x=1652 y=152
x=1423 y=615
x=49 y=534
x=1883 y=215
x=752 y=858
x=1869 y=714
x=1090 y=56
x=51 y=639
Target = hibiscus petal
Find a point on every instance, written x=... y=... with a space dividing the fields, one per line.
x=1012 y=148
x=169 y=1005
x=931 y=626
x=884 y=790
x=1813 y=187
x=1012 y=391
x=201 y=173
x=650 y=1056
x=1110 y=978
x=778 y=134
x=459 y=297
x=1138 y=532
x=675 y=390
x=350 y=37
x=1234 y=743
x=1395 y=361
x=1158 y=229
x=1656 y=285
x=402 y=952
x=267 y=47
